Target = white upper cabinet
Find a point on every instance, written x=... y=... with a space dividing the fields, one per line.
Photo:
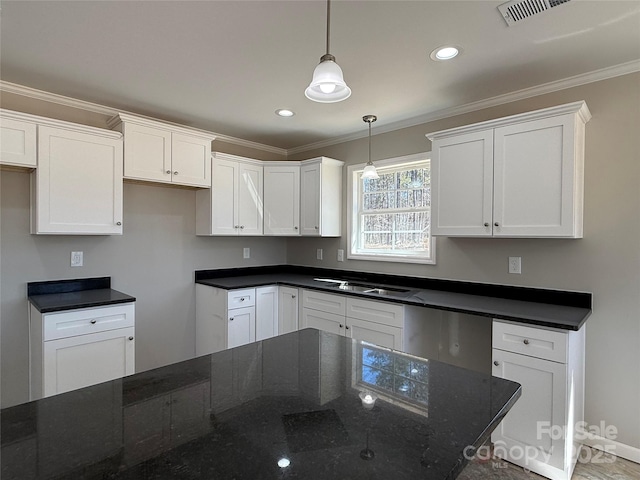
x=282 y=198
x=77 y=187
x=233 y=204
x=164 y=153
x=519 y=176
x=17 y=140
x=321 y=197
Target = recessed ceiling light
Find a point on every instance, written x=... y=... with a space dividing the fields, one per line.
x=283 y=112
x=445 y=53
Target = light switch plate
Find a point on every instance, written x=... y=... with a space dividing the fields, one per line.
x=77 y=259
x=340 y=255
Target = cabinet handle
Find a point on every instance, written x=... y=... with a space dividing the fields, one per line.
x=118 y=223
x=168 y=172
x=497 y=224
x=231 y=319
x=130 y=338
x=175 y=173
x=93 y=321
x=486 y=224
x=526 y=341
x=496 y=363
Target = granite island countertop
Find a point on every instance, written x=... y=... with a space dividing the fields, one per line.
x=236 y=414
x=540 y=307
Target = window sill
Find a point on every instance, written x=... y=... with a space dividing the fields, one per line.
x=391 y=258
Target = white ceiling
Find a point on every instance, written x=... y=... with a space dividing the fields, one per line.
x=226 y=66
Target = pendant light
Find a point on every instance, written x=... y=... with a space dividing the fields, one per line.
x=370 y=169
x=327 y=85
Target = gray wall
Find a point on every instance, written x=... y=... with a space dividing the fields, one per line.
x=605 y=262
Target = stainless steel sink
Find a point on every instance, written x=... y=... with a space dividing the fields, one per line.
x=362 y=287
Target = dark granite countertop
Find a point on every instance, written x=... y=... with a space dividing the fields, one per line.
x=534 y=306
x=60 y=295
x=235 y=414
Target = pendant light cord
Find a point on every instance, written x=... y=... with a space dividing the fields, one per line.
x=369 y=144
x=328 y=23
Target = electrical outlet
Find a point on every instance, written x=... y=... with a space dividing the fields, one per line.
x=77 y=259
x=319 y=254
x=515 y=265
x=246 y=252
x=340 y=255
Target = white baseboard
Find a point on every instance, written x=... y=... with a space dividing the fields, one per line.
x=611 y=446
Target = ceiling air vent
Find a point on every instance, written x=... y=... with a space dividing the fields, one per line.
x=517 y=10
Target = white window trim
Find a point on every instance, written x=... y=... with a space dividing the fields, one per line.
x=352 y=213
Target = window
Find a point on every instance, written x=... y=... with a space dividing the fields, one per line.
x=390 y=217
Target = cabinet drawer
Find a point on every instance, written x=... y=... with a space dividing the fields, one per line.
x=325 y=302
x=380 y=312
x=241 y=298
x=531 y=341
x=88 y=320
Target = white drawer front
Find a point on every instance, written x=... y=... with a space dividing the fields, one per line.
x=87 y=320
x=380 y=312
x=531 y=341
x=241 y=298
x=324 y=302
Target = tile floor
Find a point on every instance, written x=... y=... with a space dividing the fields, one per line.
x=602 y=467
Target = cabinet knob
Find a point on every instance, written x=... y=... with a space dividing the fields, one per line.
x=347 y=327
x=526 y=341
x=496 y=363
x=231 y=319
x=293 y=296
x=295 y=228
x=486 y=224
x=168 y=172
x=497 y=224
x=130 y=338
x=118 y=223
x=316 y=228
x=93 y=321
x=175 y=173
x=241 y=227
x=242 y=299
x=341 y=326
x=236 y=226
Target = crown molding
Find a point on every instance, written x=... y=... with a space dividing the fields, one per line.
x=575 y=81
x=29 y=92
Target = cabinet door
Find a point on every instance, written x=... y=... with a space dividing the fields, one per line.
x=147 y=153
x=376 y=333
x=250 y=199
x=224 y=198
x=190 y=160
x=310 y=199
x=282 y=200
x=78 y=184
x=266 y=312
x=328 y=322
x=288 y=310
x=535 y=178
x=76 y=362
x=541 y=404
x=241 y=326
x=461 y=185
x=17 y=143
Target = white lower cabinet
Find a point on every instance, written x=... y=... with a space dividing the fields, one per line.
x=82 y=347
x=352 y=317
x=288 y=310
x=539 y=433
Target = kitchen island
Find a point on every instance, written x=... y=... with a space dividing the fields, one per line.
x=292 y=406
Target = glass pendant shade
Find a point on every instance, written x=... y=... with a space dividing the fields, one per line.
x=327 y=85
x=370 y=172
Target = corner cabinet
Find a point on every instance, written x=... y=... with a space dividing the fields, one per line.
x=164 y=153
x=549 y=364
x=77 y=187
x=234 y=203
x=518 y=176
x=81 y=347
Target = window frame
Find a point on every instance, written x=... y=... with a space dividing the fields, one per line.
x=353 y=177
